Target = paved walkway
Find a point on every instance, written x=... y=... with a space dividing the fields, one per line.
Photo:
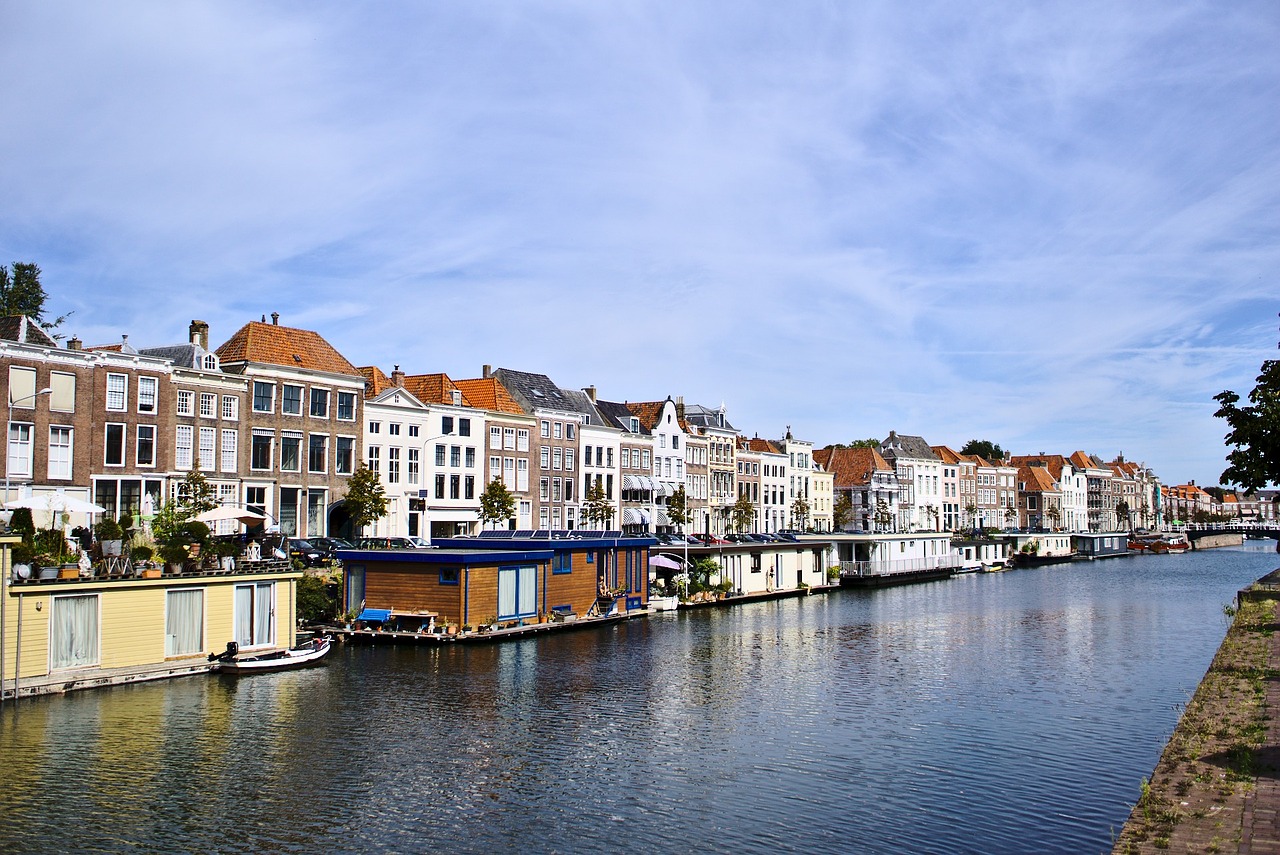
x=1260 y=815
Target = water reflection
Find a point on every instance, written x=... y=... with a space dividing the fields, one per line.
x=985 y=714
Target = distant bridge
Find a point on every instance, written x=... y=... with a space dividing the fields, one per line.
x=1258 y=530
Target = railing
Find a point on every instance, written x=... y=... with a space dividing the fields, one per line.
x=905 y=565
x=124 y=572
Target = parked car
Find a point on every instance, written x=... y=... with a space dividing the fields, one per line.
x=305 y=552
x=330 y=545
x=734 y=537
x=786 y=536
x=385 y=543
x=706 y=540
x=418 y=542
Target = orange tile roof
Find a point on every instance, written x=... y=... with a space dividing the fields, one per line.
x=851 y=467
x=486 y=393
x=434 y=389
x=272 y=344
x=648 y=412
x=1053 y=462
x=763 y=445
x=1037 y=479
x=375 y=382
x=946 y=454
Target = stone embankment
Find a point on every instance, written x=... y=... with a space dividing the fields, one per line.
x=1217 y=785
x=1215 y=541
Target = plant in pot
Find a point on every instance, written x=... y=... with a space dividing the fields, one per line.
x=110 y=536
x=22 y=556
x=142 y=554
x=173 y=553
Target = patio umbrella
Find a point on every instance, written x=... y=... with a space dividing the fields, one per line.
x=230 y=512
x=664 y=561
x=57 y=503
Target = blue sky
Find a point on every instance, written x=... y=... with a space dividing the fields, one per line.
x=1052 y=225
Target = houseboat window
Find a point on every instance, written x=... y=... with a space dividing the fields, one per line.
x=184 y=623
x=517 y=592
x=73 y=632
x=254 y=607
x=448 y=575
x=563 y=563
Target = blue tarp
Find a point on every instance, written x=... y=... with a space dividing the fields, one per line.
x=374 y=615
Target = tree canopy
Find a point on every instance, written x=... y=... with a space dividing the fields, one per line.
x=596 y=507
x=497 y=505
x=859 y=443
x=678 y=508
x=1255 y=431
x=366 y=499
x=22 y=294
x=983 y=448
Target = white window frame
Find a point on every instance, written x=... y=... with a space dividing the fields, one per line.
x=194 y=646
x=186 y=402
x=120 y=394
x=302 y=399
x=61 y=473
x=230 y=449
x=137 y=446
x=85 y=647
x=148 y=395
x=184 y=453
x=20 y=464
x=231 y=408
x=208 y=449
x=124 y=444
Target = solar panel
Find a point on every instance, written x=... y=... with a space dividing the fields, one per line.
x=498 y=534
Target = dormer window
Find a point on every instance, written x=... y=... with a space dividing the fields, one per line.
x=210 y=362
x=635 y=425
x=457 y=397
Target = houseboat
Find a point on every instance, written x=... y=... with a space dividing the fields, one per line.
x=877 y=560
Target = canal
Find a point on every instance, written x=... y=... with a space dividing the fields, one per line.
x=1011 y=712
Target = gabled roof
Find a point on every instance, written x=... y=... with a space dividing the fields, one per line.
x=1036 y=480
x=648 y=412
x=904 y=445
x=1080 y=460
x=851 y=467
x=946 y=454
x=188 y=355
x=273 y=344
x=375 y=382
x=620 y=416
x=23 y=330
x=1053 y=462
x=122 y=346
x=486 y=393
x=705 y=417
x=537 y=391
x=764 y=446
x=434 y=389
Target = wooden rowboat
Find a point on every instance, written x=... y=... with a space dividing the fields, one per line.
x=231 y=662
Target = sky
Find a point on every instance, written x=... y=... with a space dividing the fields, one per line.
x=1052 y=226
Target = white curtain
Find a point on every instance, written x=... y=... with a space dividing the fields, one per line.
x=244 y=615
x=262 y=614
x=184 y=623
x=528 y=590
x=73 y=632
x=506 y=592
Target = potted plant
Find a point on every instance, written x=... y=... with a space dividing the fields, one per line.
x=173 y=554
x=110 y=536
x=22 y=556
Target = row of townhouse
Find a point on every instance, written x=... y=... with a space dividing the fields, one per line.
x=1189 y=503
x=905 y=485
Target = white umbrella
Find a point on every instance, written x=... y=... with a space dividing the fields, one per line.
x=664 y=561
x=230 y=512
x=58 y=503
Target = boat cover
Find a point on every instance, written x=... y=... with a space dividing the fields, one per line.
x=379 y=615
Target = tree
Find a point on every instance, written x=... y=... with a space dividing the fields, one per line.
x=22 y=294
x=1255 y=431
x=743 y=512
x=799 y=512
x=195 y=494
x=983 y=448
x=366 y=499
x=678 y=508
x=842 y=512
x=1054 y=515
x=884 y=517
x=596 y=507
x=971 y=511
x=1122 y=513
x=497 y=504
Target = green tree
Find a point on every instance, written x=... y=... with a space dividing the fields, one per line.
x=1122 y=513
x=883 y=517
x=366 y=499
x=742 y=512
x=800 y=512
x=678 y=508
x=497 y=504
x=1255 y=431
x=195 y=494
x=596 y=507
x=971 y=511
x=22 y=294
x=842 y=511
x=983 y=448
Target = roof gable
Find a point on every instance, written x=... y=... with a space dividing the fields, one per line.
x=272 y=344
x=486 y=393
x=23 y=330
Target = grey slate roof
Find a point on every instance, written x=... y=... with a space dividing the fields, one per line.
x=190 y=355
x=902 y=445
x=537 y=392
x=620 y=416
x=22 y=329
x=706 y=417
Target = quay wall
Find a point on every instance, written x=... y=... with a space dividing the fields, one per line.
x=1216 y=541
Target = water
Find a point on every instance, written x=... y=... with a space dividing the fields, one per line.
x=1013 y=712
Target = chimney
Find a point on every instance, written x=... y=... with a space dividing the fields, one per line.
x=198 y=333
x=485 y=371
x=275 y=319
x=74 y=343
x=680 y=407
x=591 y=393
x=397 y=377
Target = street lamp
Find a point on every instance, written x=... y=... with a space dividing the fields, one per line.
x=8 y=429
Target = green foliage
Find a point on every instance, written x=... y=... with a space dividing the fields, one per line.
x=366 y=499
x=497 y=504
x=1255 y=431
x=166 y=522
x=702 y=570
x=596 y=507
x=108 y=529
x=858 y=443
x=842 y=511
x=678 y=508
x=800 y=512
x=50 y=545
x=743 y=512
x=23 y=525
x=142 y=553
x=316 y=601
x=196 y=494
x=22 y=294
x=983 y=448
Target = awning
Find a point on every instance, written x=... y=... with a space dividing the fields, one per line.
x=630 y=516
x=374 y=615
x=663 y=519
x=666 y=488
x=632 y=482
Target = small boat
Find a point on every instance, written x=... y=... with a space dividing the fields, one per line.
x=1170 y=544
x=231 y=662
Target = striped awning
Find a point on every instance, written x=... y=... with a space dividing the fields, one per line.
x=631 y=516
x=632 y=482
x=663 y=519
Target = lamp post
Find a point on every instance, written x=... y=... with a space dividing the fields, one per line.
x=4 y=577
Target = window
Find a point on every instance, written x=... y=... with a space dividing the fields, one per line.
x=464 y=427
x=609 y=457
x=545 y=457
x=495 y=437
x=73 y=632
x=145 y=448
x=186 y=402
x=522 y=474
x=20 y=449
x=291 y=400
x=586 y=455
x=393 y=429
x=555 y=490
x=558 y=430
x=230 y=408
x=440 y=451
x=568 y=489
x=259 y=450
x=114 y=445
x=644 y=459
x=63 y=399
x=522 y=439
x=569 y=432
x=413 y=467
x=375 y=459
x=60 y=452
x=440 y=486
x=517 y=591
x=264 y=397
x=345 y=455
x=455 y=486
x=346 y=406
x=375 y=427
x=117 y=391
x=22 y=386
x=254 y=614
x=545 y=428
x=562 y=563
x=318 y=453
x=290 y=452
x=393 y=465
x=495 y=468
x=208 y=440
x=544 y=489
x=230 y=449
x=556 y=458
x=146 y=394
x=208 y=405
x=568 y=459
x=455 y=456
x=469 y=487
x=413 y=430
x=183 y=447
x=184 y=623
x=471 y=458
x=319 y=403
x=446 y=425
x=448 y=575
x=509 y=438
